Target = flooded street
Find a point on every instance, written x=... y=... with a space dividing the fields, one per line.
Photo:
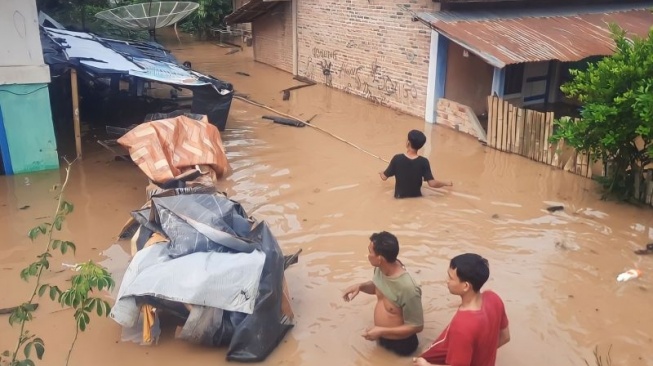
x=556 y=272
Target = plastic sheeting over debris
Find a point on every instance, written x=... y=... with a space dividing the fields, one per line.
x=102 y=63
x=163 y=148
x=200 y=257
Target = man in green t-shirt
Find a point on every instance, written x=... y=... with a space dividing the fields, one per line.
x=398 y=315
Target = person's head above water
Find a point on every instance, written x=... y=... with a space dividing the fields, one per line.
x=467 y=272
x=384 y=247
x=416 y=139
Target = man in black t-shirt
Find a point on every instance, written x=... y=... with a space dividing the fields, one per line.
x=409 y=169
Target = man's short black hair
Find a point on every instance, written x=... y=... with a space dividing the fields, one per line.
x=417 y=139
x=471 y=268
x=385 y=245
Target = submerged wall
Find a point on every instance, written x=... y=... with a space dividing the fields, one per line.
x=27 y=125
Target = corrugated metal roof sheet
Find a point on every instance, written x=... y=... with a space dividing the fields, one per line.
x=250 y=11
x=529 y=35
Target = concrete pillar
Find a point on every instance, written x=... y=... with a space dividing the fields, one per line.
x=437 y=75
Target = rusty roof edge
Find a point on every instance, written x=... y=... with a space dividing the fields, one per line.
x=427 y=17
x=538 y=12
x=486 y=57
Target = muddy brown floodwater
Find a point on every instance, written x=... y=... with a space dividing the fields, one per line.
x=556 y=272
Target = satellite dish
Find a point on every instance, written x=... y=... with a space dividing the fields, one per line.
x=148 y=16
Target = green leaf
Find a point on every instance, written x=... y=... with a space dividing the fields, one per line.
x=89 y=304
x=44 y=262
x=81 y=323
x=34 y=233
x=76 y=300
x=64 y=247
x=28 y=349
x=99 y=307
x=66 y=208
x=107 y=308
x=39 y=347
x=58 y=221
x=54 y=291
x=55 y=244
x=6 y=353
x=24 y=274
x=42 y=290
x=72 y=246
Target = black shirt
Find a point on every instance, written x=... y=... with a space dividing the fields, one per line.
x=408 y=174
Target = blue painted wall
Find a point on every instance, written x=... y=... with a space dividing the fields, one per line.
x=28 y=130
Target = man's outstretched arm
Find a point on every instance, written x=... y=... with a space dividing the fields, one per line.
x=439 y=184
x=352 y=291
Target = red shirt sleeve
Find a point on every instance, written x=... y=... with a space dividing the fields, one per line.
x=504 y=320
x=501 y=309
x=461 y=346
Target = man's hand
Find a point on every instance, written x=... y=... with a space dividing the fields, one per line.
x=372 y=334
x=383 y=177
x=351 y=292
x=418 y=361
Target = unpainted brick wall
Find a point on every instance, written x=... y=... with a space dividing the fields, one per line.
x=457 y=116
x=272 y=36
x=373 y=49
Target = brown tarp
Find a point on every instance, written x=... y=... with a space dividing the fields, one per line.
x=166 y=148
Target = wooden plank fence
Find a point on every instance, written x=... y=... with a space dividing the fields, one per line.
x=526 y=132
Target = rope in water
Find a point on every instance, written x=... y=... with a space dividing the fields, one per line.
x=260 y=105
x=310 y=125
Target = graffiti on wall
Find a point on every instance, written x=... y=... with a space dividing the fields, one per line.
x=371 y=80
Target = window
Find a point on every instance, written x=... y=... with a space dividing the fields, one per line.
x=514 y=79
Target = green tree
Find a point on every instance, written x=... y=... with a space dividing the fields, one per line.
x=616 y=123
x=210 y=14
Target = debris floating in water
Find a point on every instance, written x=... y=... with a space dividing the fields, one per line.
x=629 y=275
x=555 y=208
x=647 y=250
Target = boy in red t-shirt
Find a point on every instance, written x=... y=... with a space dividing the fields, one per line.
x=480 y=325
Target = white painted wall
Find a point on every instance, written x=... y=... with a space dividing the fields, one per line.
x=21 y=55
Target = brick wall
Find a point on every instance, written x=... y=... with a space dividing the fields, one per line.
x=369 y=48
x=272 y=34
x=459 y=117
